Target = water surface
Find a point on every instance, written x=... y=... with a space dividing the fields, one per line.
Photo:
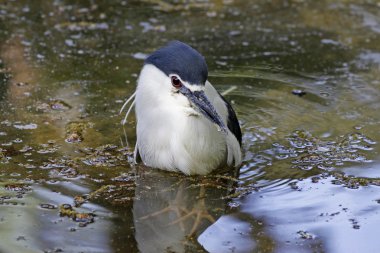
x=307 y=78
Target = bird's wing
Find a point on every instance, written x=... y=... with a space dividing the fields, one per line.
x=136 y=155
x=232 y=121
x=228 y=115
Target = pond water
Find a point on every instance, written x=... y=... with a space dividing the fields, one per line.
x=304 y=79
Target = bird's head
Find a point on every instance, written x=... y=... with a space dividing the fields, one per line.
x=183 y=74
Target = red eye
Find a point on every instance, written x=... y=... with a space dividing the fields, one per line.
x=176 y=82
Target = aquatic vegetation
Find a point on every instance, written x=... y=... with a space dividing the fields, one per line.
x=75 y=131
x=118 y=194
x=19 y=188
x=3 y=157
x=11 y=193
x=66 y=210
x=53 y=105
x=79 y=200
x=46 y=148
x=353 y=182
x=308 y=152
x=107 y=155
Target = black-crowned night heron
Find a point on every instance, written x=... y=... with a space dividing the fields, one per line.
x=183 y=123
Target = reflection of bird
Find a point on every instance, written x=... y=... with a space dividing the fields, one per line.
x=171 y=209
x=183 y=123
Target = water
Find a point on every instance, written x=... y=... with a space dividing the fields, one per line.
x=307 y=96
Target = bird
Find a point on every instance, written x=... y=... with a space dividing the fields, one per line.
x=183 y=123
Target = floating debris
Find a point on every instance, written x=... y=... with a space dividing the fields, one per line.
x=75 y=131
x=18 y=187
x=66 y=210
x=25 y=149
x=74 y=137
x=52 y=165
x=310 y=152
x=29 y=166
x=107 y=155
x=148 y=27
x=68 y=172
x=59 y=105
x=53 y=105
x=119 y=194
x=48 y=206
x=84 y=218
x=294 y=186
x=353 y=182
x=305 y=235
x=43 y=107
x=125 y=177
x=55 y=250
x=26 y=126
x=79 y=200
x=355 y=223
x=3 y=157
x=315 y=179
x=16 y=191
x=22 y=84
x=7 y=144
x=48 y=148
x=233 y=204
x=299 y=93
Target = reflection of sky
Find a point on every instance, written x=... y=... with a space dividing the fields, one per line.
x=371 y=170
x=29 y=228
x=369 y=20
x=328 y=212
x=227 y=234
x=370 y=57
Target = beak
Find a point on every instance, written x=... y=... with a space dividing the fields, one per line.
x=203 y=105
